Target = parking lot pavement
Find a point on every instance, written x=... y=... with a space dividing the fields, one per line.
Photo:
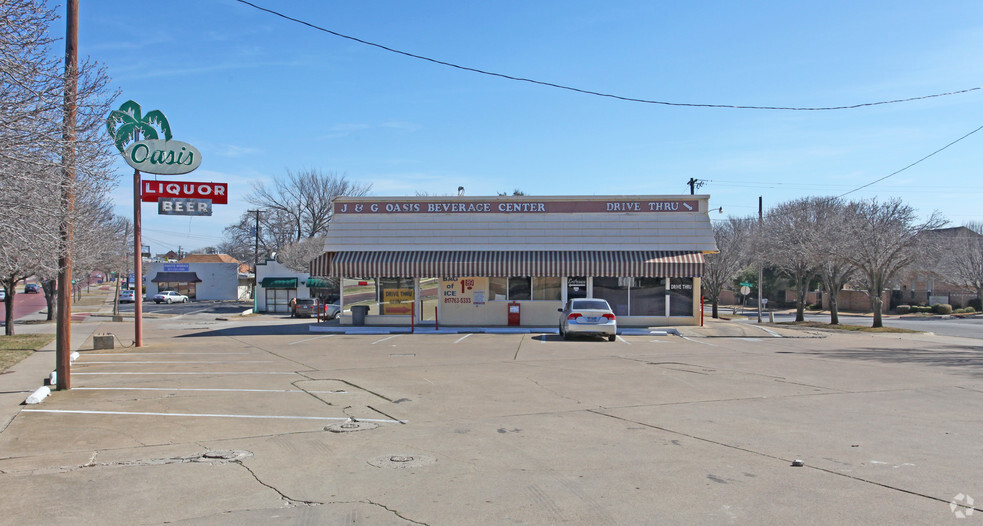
x=257 y=420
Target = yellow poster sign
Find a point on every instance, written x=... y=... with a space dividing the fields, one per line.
x=397 y=295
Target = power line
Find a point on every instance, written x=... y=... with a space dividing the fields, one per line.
x=912 y=164
x=597 y=93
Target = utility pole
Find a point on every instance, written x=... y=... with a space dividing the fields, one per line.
x=761 y=272
x=255 y=257
x=694 y=184
x=64 y=322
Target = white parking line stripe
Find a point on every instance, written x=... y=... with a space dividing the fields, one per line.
x=163 y=353
x=624 y=340
x=463 y=337
x=217 y=372
x=203 y=361
x=699 y=342
x=199 y=415
x=658 y=341
x=384 y=339
x=311 y=339
x=202 y=389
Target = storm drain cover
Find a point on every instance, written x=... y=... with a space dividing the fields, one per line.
x=350 y=425
x=401 y=461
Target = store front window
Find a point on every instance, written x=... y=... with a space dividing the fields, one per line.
x=680 y=296
x=615 y=291
x=648 y=297
x=547 y=289
x=360 y=292
x=396 y=295
x=188 y=289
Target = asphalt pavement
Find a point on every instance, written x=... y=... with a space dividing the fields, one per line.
x=222 y=419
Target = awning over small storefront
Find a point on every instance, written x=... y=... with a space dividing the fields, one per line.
x=320 y=283
x=279 y=283
x=409 y=264
x=176 y=277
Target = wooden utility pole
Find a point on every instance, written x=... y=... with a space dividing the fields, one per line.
x=63 y=337
x=761 y=272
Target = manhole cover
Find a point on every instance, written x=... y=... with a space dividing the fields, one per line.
x=350 y=425
x=401 y=461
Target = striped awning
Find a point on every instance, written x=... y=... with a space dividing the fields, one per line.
x=417 y=264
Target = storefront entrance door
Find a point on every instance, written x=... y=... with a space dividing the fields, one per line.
x=426 y=307
x=576 y=288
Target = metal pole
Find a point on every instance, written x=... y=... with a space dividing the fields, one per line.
x=64 y=321
x=137 y=263
x=256 y=263
x=761 y=271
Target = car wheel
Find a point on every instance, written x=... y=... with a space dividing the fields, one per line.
x=168 y=301
x=157 y=302
x=186 y=300
x=611 y=338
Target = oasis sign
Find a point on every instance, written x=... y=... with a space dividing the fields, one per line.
x=166 y=157
x=152 y=154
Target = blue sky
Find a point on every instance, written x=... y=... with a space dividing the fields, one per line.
x=259 y=95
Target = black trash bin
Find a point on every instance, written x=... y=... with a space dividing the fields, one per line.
x=358 y=314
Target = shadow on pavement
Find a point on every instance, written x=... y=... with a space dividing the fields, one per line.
x=969 y=358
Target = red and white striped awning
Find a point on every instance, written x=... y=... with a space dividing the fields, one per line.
x=417 y=264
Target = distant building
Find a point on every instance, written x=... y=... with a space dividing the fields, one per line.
x=200 y=277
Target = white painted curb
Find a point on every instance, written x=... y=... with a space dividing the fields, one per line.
x=38 y=395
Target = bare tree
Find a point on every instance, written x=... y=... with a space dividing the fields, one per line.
x=31 y=114
x=298 y=256
x=830 y=244
x=733 y=238
x=303 y=200
x=886 y=241
x=961 y=260
x=788 y=243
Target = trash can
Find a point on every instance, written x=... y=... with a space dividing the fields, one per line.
x=358 y=314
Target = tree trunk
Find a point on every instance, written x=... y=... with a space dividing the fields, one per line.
x=876 y=302
x=714 y=303
x=834 y=308
x=8 y=317
x=800 y=303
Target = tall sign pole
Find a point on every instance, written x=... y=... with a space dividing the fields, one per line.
x=63 y=331
x=152 y=155
x=137 y=261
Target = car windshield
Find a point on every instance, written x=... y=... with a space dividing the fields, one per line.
x=590 y=304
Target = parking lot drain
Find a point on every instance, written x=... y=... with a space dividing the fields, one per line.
x=350 y=425
x=401 y=461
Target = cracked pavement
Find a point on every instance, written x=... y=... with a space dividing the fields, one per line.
x=229 y=424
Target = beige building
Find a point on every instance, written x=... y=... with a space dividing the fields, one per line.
x=473 y=261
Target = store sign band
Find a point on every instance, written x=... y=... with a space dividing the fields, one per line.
x=510 y=207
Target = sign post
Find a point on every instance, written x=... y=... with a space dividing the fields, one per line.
x=153 y=155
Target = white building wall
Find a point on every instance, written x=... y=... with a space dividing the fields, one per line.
x=272 y=268
x=219 y=281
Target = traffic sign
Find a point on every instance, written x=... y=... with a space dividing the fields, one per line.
x=745 y=290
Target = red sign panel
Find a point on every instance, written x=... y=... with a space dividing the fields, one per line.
x=151 y=191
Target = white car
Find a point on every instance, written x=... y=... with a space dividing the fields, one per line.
x=588 y=316
x=170 y=296
x=126 y=296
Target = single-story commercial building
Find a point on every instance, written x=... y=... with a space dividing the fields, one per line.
x=199 y=277
x=515 y=260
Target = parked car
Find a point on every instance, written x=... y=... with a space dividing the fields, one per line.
x=32 y=288
x=170 y=296
x=304 y=308
x=588 y=316
x=332 y=310
x=126 y=296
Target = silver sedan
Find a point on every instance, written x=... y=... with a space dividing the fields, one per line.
x=588 y=316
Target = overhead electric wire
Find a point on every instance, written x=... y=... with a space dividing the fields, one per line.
x=597 y=93
x=912 y=164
